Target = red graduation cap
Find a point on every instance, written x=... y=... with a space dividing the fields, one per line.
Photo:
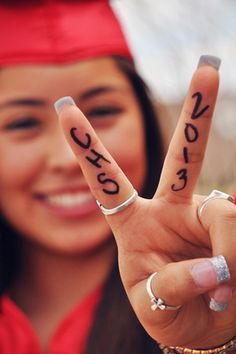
x=59 y=31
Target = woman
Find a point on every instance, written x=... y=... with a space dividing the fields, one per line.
x=62 y=275
x=58 y=237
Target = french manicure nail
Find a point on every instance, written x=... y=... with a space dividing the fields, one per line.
x=211 y=272
x=220 y=298
x=209 y=60
x=216 y=306
x=64 y=101
x=221 y=268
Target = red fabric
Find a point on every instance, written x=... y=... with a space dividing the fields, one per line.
x=18 y=337
x=59 y=31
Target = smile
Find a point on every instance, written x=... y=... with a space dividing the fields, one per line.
x=75 y=204
x=69 y=200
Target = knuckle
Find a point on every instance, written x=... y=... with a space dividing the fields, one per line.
x=229 y=217
x=194 y=157
x=226 y=212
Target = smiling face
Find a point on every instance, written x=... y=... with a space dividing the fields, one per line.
x=43 y=193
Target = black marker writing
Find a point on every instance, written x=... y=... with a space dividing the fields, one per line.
x=79 y=142
x=191 y=133
x=95 y=161
x=185 y=153
x=196 y=113
x=108 y=181
x=182 y=177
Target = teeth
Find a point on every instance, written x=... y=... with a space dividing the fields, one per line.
x=69 y=200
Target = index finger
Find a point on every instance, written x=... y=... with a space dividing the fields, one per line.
x=187 y=148
x=107 y=182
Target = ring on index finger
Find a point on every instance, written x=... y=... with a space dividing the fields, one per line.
x=215 y=194
x=119 y=207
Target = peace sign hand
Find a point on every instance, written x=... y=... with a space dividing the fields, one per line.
x=165 y=234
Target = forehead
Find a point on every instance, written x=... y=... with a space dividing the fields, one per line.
x=57 y=80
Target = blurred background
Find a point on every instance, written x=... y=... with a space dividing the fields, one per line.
x=167 y=39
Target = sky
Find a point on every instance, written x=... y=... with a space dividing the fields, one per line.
x=167 y=38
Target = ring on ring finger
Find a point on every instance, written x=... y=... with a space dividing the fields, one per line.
x=157 y=303
x=215 y=194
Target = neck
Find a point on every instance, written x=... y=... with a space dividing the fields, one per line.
x=57 y=281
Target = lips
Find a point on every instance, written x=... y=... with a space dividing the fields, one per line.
x=69 y=204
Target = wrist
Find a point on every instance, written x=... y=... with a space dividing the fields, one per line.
x=230 y=346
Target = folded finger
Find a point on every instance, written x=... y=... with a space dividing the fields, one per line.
x=190 y=278
x=219 y=219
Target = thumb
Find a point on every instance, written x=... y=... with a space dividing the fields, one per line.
x=179 y=282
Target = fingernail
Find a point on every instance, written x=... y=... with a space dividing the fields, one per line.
x=216 y=306
x=210 y=272
x=64 y=101
x=221 y=267
x=209 y=60
x=220 y=298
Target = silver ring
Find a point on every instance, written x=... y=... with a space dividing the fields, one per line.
x=157 y=303
x=119 y=207
x=215 y=194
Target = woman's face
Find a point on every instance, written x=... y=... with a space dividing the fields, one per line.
x=43 y=193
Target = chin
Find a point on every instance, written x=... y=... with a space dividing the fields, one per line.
x=73 y=243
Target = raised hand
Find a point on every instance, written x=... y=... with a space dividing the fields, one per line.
x=166 y=234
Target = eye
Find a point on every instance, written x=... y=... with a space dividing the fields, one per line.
x=104 y=111
x=25 y=123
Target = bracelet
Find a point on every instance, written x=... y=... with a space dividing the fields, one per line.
x=225 y=348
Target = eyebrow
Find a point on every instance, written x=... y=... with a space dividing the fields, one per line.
x=33 y=102
x=90 y=93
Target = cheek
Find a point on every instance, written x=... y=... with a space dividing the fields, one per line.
x=19 y=165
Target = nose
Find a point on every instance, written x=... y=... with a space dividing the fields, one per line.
x=61 y=157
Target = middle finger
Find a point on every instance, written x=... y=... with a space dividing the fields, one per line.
x=186 y=151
